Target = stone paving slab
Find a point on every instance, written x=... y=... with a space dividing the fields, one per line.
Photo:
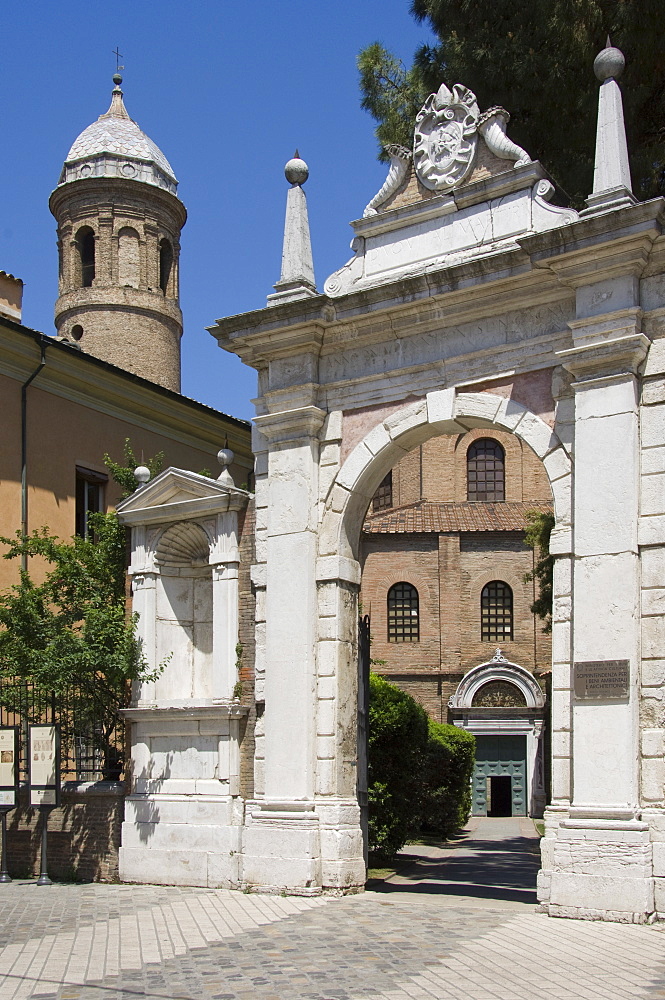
x=112 y=942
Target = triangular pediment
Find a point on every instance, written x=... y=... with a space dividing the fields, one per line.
x=176 y=494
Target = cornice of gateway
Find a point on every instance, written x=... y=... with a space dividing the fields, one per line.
x=526 y=275
x=398 y=309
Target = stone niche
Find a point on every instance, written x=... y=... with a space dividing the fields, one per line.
x=184 y=815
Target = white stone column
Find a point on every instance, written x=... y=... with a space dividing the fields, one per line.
x=144 y=603
x=225 y=560
x=291 y=617
x=285 y=826
x=606 y=586
x=342 y=860
x=597 y=859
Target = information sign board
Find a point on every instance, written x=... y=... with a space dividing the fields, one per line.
x=8 y=766
x=601 y=680
x=44 y=747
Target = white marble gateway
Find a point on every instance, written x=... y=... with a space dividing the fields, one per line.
x=471 y=302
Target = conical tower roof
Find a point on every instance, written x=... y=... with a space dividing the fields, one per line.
x=115 y=146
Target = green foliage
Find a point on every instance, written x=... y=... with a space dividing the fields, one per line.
x=536 y=61
x=70 y=636
x=124 y=474
x=537 y=537
x=419 y=771
x=451 y=753
x=392 y=94
x=397 y=751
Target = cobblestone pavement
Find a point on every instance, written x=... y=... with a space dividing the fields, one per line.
x=122 y=942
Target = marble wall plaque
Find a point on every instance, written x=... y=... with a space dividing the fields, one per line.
x=601 y=680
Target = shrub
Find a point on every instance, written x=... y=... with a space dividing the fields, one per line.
x=446 y=802
x=398 y=740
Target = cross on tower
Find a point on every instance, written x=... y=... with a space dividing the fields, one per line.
x=118 y=57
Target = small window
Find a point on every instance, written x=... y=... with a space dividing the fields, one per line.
x=384 y=495
x=85 y=245
x=165 y=266
x=403 y=613
x=496 y=612
x=76 y=331
x=89 y=497
x=485 y=468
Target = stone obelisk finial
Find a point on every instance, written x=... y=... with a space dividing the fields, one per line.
x=297 y=278
x=612 y=186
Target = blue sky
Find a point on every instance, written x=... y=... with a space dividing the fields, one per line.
x=228 y=91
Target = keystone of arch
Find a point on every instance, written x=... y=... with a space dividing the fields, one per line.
x=445 y=411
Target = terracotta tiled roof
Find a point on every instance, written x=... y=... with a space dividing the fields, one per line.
x=429 y=515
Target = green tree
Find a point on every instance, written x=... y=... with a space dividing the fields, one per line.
x=537 y=537
x=536 y=61
x=124 y=474
x=397 y=748
x=392 y=94
x=70 y=639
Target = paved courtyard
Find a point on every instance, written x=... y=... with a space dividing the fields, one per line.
x=455 y=923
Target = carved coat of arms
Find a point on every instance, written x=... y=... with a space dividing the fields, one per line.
x=445 y=137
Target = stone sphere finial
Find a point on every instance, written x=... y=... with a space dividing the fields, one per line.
x=609 y=64
x=225 y=456
x=141 y=474
x=296 y=170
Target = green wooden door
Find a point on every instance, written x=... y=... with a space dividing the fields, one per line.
x=499 y=756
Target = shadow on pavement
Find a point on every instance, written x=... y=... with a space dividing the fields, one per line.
x=501 y=869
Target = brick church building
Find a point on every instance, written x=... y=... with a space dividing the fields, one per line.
x=443 y=580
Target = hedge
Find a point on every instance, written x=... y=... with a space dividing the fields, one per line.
x=451 y=754
x=419 y=771
x=396 y=756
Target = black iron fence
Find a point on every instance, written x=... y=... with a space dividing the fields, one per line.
x=92 y=735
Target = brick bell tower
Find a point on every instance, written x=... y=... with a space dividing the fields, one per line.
x=119 y=220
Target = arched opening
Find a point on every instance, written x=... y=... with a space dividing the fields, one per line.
x=166 y=267
x=76 y=332
x=85 y=251
x=129 y=258
x=354 y=528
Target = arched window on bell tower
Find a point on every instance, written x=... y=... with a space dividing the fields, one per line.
x=166 y=267
x=85 y=253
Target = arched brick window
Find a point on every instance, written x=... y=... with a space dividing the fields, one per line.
x=496 y=612
x=165 y=267
x=486 y=470
x=403 y=613
x=85 y=246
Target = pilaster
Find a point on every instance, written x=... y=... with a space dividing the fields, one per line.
x=597 y=851
x=284 y=824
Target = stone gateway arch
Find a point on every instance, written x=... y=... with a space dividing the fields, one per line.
x=471 y=301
